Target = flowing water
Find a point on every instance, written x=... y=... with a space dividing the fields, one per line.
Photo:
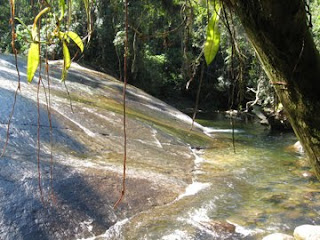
x=261 y=188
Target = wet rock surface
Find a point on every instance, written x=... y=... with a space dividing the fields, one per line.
x=83 y=180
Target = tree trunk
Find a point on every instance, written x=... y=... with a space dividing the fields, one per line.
x=279 y=33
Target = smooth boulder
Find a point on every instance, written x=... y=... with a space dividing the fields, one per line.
x=278 y=236
x=307 y=232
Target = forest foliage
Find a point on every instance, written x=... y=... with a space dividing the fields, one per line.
x=166 y=43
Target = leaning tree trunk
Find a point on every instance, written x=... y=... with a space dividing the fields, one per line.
x=279 y=33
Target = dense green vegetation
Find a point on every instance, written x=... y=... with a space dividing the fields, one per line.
x=166 y=40
x=165 y=50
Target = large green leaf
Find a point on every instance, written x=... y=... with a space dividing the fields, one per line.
x=66 y=60
x=34 y=50
x=76 y=39
x=211 y=45
x=33 y=60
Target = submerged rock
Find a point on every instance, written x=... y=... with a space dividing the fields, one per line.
x=278 y=236
x=307 y=232
x=275 y=198
x=219 y=226
x=297 y=148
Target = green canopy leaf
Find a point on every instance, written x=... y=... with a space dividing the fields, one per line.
x=33 y=60
x=77 y=40
x=211 y=45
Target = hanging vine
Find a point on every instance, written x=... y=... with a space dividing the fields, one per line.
x=125 y=75
x=35 y=63
x=14 y=50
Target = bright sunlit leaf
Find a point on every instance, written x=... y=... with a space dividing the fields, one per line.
x=77 y=40
x=33 y=60
x=211 y=45
x=66 y=60
x=62 y=36
x=66 y=56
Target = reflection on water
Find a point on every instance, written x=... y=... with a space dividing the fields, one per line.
x=262 y=188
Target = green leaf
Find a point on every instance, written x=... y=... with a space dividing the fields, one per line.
x=43 y=11
x=66 y=56
x=66 y=60
x=61 y=36
x=211 y=45
x=33 y=60
x=86 y=6
x=62 y=6
x=24 y=25
x=77 y=40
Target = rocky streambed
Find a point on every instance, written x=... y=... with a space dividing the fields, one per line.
x=82 y=181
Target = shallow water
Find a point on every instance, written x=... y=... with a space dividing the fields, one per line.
x=260 y=188
x=267 y=188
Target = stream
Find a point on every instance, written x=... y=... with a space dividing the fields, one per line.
x=260 y=189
